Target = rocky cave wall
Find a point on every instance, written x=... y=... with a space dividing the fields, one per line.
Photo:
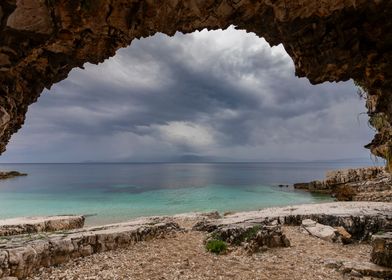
x=328 y=40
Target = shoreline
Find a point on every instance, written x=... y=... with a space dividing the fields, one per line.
x=122 y=202
x=25 y=255
x=97 y=219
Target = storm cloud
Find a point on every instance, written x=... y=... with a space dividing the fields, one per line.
x=223 y=94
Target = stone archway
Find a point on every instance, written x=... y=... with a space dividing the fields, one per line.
x=41 y=41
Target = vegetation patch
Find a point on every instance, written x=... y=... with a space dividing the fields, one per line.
x=378 y=121
x=388 y=158
x=216 y=246
x=249 y=234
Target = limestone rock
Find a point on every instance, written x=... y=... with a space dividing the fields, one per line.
x=326 y=233
x=363 y=184
x=24 y=225
x=22 y=255
x=366 y=269
x=344 y=236
x=360 y=219
x=31 y=15
x=332 y=263
x=382 y=249
x=253 y=237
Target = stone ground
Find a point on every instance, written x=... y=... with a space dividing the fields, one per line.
x=183 y=256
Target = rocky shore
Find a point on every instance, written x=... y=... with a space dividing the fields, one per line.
x=265 y=244
x=29 y=225
x=361 y=184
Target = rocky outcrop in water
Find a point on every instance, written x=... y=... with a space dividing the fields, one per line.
x=331 y=40
x=10 y=174
x=361 y=184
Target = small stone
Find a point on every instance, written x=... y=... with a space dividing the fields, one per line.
x=355 y=273
x=333 y=264
x=344 y=236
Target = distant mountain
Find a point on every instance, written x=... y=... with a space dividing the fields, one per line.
x=194 y=158
x=189 y=158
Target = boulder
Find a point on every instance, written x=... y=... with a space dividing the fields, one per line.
x=268 y=237
x=382 y=249
x=324 y=232
x=31 y=15
x=344 y=236
x=253 y=237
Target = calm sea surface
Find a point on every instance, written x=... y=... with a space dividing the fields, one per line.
x=117 y=192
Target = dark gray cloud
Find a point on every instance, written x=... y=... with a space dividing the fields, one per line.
x=223 y=93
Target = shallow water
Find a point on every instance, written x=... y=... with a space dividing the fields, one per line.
x=117 y=192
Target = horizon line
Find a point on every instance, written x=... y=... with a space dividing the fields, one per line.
x=168 y=162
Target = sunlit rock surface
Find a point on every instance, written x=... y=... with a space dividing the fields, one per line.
x=28 y=225
x=360 y=184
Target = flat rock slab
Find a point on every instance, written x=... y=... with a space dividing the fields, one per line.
x=367 y=269
x=324 y=232
x=16 y=226
x=360 y=219
x=22 y=255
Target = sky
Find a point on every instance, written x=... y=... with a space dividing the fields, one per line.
x=223 y=95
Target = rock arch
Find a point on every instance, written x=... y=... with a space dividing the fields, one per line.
x=329 y=40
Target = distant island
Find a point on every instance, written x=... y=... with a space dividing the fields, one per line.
x=10 y=174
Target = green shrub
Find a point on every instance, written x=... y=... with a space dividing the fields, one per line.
x=249 y=234
x=216 y=236
x=216 y=246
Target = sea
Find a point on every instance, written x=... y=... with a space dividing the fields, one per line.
x=116 y=192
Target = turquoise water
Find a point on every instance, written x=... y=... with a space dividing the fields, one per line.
x=117 y=192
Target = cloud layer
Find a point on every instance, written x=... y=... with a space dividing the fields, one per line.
x=223 y=94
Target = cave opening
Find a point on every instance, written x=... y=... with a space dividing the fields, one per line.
x=222 y=95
